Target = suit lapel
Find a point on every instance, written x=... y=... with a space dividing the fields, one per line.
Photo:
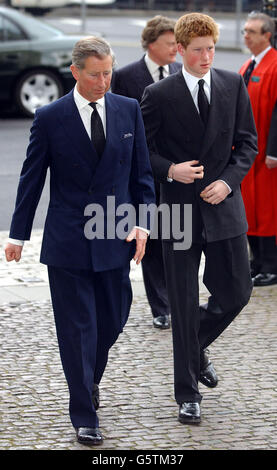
x=184 y=108
x=143 y=77
x=76 y=132
x=187 y=114
x=218 y=109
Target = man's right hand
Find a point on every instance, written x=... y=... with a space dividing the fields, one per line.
x=13 y=252
x=187 y=172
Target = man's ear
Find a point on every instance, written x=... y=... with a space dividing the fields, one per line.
x=74 y=71
x=180 y=48
x=268 y=36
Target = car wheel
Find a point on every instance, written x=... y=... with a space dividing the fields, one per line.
x=35 y=89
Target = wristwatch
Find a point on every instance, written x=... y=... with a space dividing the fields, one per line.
x=169 y=178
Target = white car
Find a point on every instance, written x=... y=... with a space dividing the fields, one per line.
x=40 y=7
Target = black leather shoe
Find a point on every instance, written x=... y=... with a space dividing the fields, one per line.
x=161 y=322
x=265 y=279
x=208 y=375
x=95 y=396
x=189 y=413
x=89 y=436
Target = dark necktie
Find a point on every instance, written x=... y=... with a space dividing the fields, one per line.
x=161 y=69
x=97 y=131
x=248 y=72
x=203 y=103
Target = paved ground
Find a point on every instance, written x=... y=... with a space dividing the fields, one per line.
x=138 y=411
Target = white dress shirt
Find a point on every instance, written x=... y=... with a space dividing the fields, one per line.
x=86 y=110
x=154 y=68
x=192 y=84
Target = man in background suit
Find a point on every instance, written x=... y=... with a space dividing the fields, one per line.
x=259 y=187
x=94 y=144
x=159 y=42
x=202 y=141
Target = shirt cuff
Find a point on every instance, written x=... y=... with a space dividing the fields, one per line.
x=16 y=242
x=230 y=190
x=271 y=157
x=143 y=229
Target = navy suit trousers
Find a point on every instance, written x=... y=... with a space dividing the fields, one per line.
x=90 y=311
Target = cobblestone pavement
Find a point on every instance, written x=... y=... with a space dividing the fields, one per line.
x=138 y=410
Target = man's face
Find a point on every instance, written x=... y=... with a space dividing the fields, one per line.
x=94 y=80
x=163 y=51
x=254 y=39
x=198 y=55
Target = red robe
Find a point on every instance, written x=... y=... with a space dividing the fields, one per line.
x=259 y=187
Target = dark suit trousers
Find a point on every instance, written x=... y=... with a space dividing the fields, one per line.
x=263 y=254
x=154 y=278
x=194 y=327
x=153 y=272
x=90 y=311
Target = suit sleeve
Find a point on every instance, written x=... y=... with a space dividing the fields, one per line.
x=31 y=183
x=244 y=141
x=141 y=178
x=152 y=122
x=272 y=136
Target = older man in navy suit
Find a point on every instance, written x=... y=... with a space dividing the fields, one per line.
x=158 y=41
x=94 y=144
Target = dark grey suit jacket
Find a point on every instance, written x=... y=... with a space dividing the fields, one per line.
x=226 y=148
x=132 y=79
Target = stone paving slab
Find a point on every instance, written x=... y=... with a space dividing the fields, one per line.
x=138 y=410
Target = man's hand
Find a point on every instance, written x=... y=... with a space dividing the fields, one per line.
x=13 y=252
x=270 y=163
x=215 y=193
x=187 y=172
x=141 y=239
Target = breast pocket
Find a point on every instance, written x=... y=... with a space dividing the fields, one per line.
x=126 y=144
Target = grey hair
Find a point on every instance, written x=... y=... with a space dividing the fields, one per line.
x=268 y=23
x=91 y=46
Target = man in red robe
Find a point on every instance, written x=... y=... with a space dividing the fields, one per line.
x=259 y=187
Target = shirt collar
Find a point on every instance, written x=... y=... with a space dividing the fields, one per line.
x=81 y=102
x=260 y=56
x=192 y=81
x=152 y=66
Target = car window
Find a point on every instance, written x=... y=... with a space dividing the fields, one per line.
x=38 y=29
x=9 y=31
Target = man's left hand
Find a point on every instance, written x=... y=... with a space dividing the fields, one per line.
x=270 y=163
x=141 y=239
x=215 y=193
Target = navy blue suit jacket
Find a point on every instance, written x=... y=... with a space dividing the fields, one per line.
x=132 y=79
x=60 y=142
